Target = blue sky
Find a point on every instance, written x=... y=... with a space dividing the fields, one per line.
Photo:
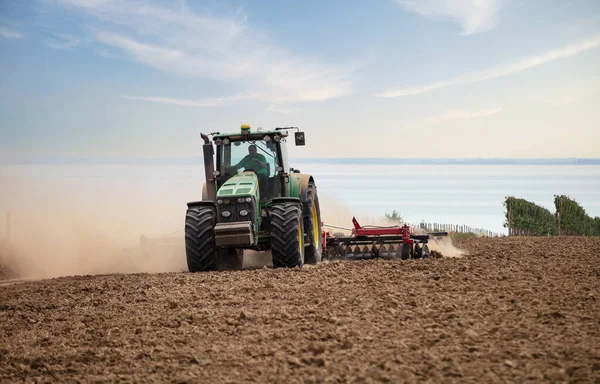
x=387 y=78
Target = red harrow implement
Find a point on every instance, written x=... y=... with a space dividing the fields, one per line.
x=373 y=242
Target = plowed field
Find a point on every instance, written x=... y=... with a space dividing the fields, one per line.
x=513 y=310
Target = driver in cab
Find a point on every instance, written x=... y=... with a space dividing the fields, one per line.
x=253 y=161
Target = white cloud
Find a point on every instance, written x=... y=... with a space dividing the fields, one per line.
x=473 y=15
x=207 y=102
x=499 y=71
x=459 y=114
x=7 y=33
x=278 y=109
x=179 y=41
x=560 y=101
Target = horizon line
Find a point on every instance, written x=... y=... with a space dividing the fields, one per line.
x=98 y=160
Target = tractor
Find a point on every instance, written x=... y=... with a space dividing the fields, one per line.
x=252 y=200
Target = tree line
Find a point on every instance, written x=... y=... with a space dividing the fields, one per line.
x=525 y=218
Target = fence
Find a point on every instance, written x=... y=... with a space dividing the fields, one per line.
x=454 y=228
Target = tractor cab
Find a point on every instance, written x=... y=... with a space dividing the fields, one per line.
x=263 y=153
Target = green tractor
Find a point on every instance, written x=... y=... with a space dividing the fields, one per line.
x=252 y=200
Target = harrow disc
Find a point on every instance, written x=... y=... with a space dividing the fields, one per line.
x=425 y=252
x=389 y=251
x=371 y=250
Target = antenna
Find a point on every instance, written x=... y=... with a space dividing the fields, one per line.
x=284 y=128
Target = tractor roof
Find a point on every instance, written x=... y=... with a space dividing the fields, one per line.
x=246 y=134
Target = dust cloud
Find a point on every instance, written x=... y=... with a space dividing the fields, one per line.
x=62 y=227
x=254 y=259
x=333 y=212
x=445 y=247
x=58 y=230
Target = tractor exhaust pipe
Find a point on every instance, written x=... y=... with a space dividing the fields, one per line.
x=209 y=168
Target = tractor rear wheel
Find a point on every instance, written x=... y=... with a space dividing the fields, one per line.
x=312 y=226
x=287 y=237
x=200 y=249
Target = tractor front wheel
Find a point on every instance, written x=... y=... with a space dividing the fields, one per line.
x=287 y=235
x=200 y=249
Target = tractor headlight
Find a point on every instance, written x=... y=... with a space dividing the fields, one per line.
x=248 y=199
x=277 y=138
x=226 y=201
x=267 y=138
x=226 y=141
x=244 y=212
x=219 y=201
x=226 y=213
x=241 y=200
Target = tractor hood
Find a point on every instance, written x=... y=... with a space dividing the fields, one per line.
x=244 y=184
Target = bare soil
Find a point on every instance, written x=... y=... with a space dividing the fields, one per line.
x=513 y=310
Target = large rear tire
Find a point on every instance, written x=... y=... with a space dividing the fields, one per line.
x=200 y=249
x=287 y=237
x=312 y=226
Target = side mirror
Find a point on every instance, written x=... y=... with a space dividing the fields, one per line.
x=299 y=136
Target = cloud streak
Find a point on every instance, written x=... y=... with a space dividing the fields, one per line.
x=281 y=110
x=7 y=33
x=226 y=48
x=475 y=16
x=202 y=103
x=62 y=41
x=459 y=114
x=499 y=71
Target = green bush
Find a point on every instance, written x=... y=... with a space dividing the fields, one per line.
x=529 y=219
x=572 y=218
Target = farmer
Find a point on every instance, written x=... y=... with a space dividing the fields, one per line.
x=253 y=161
x=256 y=162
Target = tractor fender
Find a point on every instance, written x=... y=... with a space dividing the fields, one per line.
x=299 y=185
x=282 y=200
x=203 y=203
